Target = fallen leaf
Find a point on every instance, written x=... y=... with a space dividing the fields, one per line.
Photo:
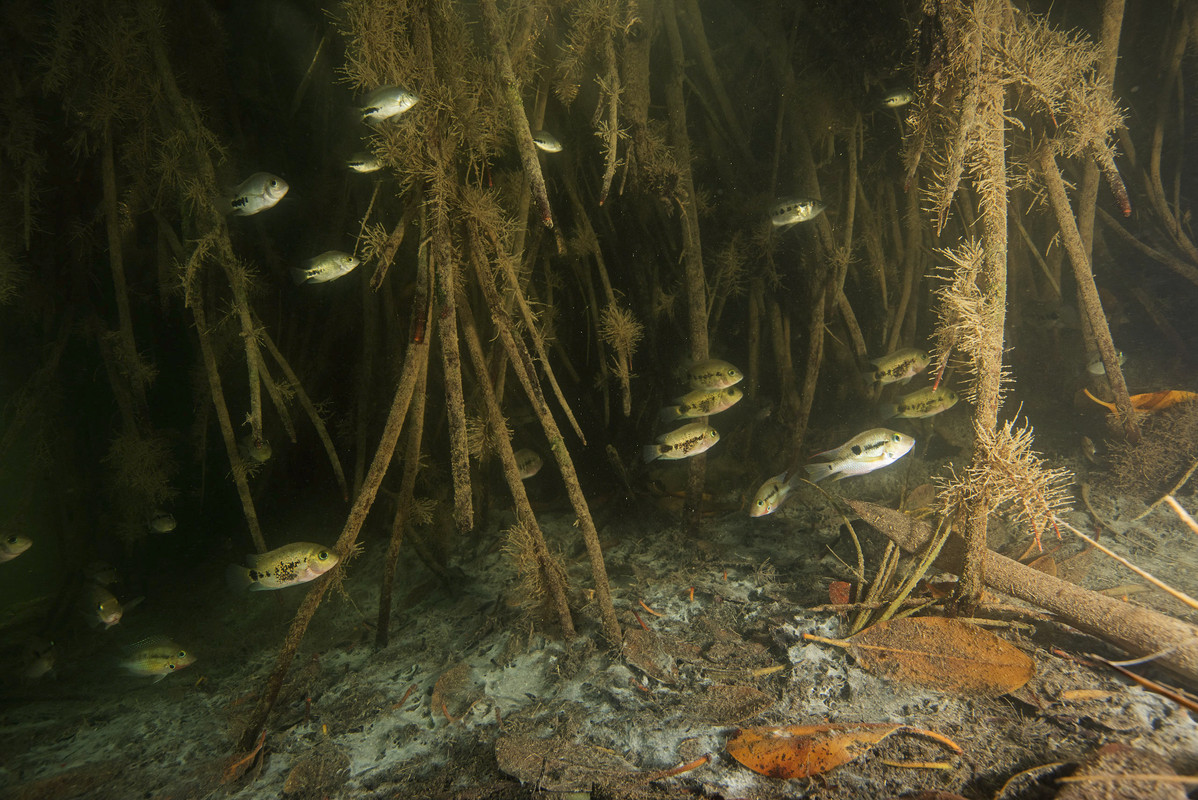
x=799 y=751
x=1116 y=770
x=1151 y=401
x=941 y=653
x=838 y=592
x=1045 y=564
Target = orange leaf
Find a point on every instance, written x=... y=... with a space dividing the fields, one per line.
x=838 y=592
x=945 y=654
x=799 y=751
x=1151 y=401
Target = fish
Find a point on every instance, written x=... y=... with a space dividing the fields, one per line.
x=101 y=607
x=364 y=162
x=792 y=210
x=865 y=452
x=689 y=440
x=101 y=572
x=285 y=566
x=161 y=522
x=38 y=659
x=701 y=402
x=325 y=267
x=528 y=463
x=713 y=374
x=13 y=545
x=897 y=98
x=386 y=102
x=156 y=656
x=256 y=449
x=901 y=366
x=772 y=494
x=926 y=402
x=1089 y=450
x=258 y=192
x=1096 y=367
x=547 y=142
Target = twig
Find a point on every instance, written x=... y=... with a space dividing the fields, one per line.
x=1182 y=596
x=1176 y=488
x=1181 y=512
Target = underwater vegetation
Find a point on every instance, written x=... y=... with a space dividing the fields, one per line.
x=418 y=260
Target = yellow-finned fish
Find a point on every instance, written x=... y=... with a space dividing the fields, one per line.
x=713 y=374
x=792 y=210
x=547 y=142
x=901 y=366
x=772 y=494
x=156 y=656
x=897 y=98
x=927 y=402
x=528 y=462
x=689 y=440
x=865 y=452
x=701 y=403
x=13 y=545
x=364 y=162
x=258 y=192
x=386 y=102
x=101 y=607
x=285 y=566
x=328 y=266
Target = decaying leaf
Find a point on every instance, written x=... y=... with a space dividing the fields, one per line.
x=940 y=653
x=558 y=764
x=1151 y=401
x=1046 y=564
x=1127 y=773
x=800 y=751
x=839 y=592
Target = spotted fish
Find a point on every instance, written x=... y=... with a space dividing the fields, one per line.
x=684 y=442
x=286 y=566
x=701 y=403
x=901 y=366
x=258 y=192
x=864 y=453
x=927 y=402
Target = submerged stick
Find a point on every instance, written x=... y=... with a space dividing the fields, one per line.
x=522 y=366
x=515 y=104
x=345 y=542
x=1137 y=630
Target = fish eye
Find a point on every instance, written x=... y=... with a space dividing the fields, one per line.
x=12 y=539
x=99 y=606
x=170 y=666
x=323 y=555
x=273 y=184
x=896 y=437
x=182 y=654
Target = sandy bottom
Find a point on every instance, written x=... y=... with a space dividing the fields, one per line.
x=476 y=697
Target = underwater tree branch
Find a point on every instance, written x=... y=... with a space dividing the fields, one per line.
x=416 y=353
x=226 y=424
x=522 y=366
x=1137 y=630
x=551 y=577
x=310 y=408
x=1088 y=290
x=511 y=93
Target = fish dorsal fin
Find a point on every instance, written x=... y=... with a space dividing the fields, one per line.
x=158 y=640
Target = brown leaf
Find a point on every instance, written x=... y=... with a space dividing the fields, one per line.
x=1126 y=769
x=1046 y=564
x=799 y=751
x=945 y=654
x=839 y=592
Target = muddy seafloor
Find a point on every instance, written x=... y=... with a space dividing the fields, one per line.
x=476 y=697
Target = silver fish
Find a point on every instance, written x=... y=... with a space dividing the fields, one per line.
x=258 y=192
x=689 y=440
x=386 y=102
x=1096 y=367
x=325 y=267
x=38 y=658
x=285 y=566
x=772 y=494
x=713 y=374
x=791 y=210
x=528 y=463
x=897 y=98
x=364 y=162
x=13 y=545
x=547 y=142
x=901 y=365
x=864 y=453
x=927 y=402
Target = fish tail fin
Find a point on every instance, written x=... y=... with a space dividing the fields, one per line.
x=870 y=376
x=238 y=577
x=670 y=414
x=651 y=452
x=817 y=472
x=298 y=275
x=888 y=410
